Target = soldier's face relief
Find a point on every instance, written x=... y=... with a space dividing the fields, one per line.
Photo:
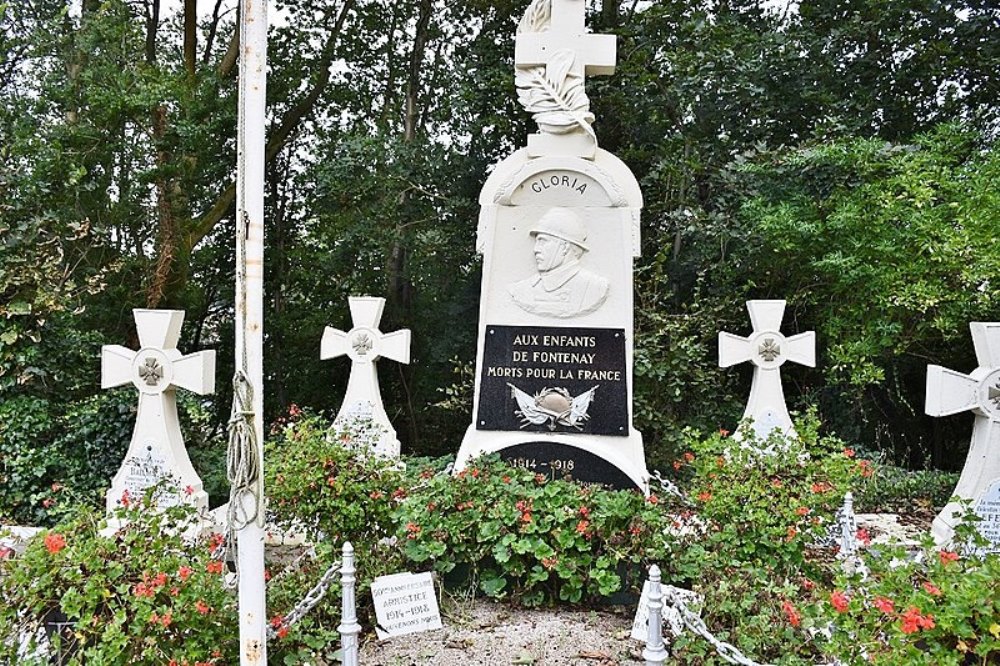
x=550 y=252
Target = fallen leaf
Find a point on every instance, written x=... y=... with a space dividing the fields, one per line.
x=599 y=656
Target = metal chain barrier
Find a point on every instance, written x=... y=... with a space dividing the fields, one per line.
x=668 y=486
x=695 y=624
x=349 y=627
x=311 y=598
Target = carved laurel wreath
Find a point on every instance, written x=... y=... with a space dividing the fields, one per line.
x=555 y=96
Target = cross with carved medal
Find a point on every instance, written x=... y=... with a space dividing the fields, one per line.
x=364 y=344
x=951 y=392
x=156 y=370
x=768 y=350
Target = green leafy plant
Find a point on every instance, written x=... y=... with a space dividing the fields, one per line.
x=147 y=593
x=750 y=542
x=521 y=536
x=933 y=607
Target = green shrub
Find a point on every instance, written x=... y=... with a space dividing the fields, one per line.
x=314 y=484
x=936 y=609
x=524 y=537
x=143 y=595
x=750 y=543
x=897 y=489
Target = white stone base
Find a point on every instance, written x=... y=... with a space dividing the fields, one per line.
x=621 y=452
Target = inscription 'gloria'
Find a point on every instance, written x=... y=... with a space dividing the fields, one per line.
x=571 y=182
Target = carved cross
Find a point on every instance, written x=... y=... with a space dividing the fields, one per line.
x=951 y=392
x=595 y=54
x=768 y=350
x=364 y=344
x=157 y=370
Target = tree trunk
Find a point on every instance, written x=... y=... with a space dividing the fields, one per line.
x=401 y=288
x=190 y=36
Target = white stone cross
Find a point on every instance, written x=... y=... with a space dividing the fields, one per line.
x=157 y=449
x=553 y=38
x=768 y=350
x=950 y=392
x=595 y=54
x=362 y=415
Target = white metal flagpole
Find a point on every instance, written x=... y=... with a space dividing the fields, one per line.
x=246 y=460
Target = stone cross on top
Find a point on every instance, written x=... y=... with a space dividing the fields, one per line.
x=768 y=350
x=594 y=54
x=950 y=392
x=553 y=54
x=362 y=416
x=157 y=449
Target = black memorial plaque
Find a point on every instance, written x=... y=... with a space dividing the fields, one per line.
x=560 y=380
x=562 y=461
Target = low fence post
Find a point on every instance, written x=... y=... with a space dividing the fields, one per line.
x=655 y=653
x=349 y=627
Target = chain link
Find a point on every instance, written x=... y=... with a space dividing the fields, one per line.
x=309 y=601
x=697 y=625
x=669 y=486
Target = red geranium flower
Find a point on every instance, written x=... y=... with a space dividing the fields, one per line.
x=885 y=605
x=839 y=601
x=947 y=556
x=201 y=607
x=932 y=589
x=791 y=613
x=184 y=572
x=214 y=567
x=913 y=621
x=54 y=542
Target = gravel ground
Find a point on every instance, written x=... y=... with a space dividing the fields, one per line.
x=485 y=633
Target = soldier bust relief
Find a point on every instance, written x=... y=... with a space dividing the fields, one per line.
x=562 y=287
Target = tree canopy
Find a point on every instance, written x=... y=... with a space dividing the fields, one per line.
x=836 y=154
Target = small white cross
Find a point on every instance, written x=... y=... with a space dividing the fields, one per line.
x=156 y=370
x=768 y=350
x=595 y=54
x=364 y=345
x=951 y=392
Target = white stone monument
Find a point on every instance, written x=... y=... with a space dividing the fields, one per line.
x=768 y=350
x=157 y=449
x=950 y=392
x=558 y=231
x=362 y=412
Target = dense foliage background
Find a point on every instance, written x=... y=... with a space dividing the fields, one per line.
x=839 y=155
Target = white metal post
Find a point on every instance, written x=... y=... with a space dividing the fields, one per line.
x=349 y=627
x=655 y=653
x=250 y=313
